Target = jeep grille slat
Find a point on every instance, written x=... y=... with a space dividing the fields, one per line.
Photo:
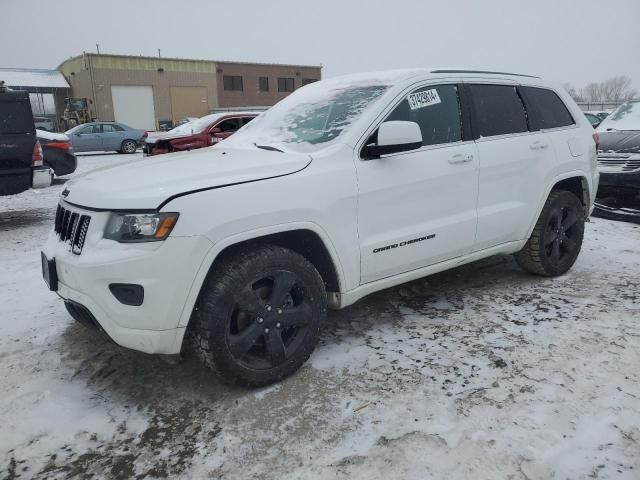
x=71 y=227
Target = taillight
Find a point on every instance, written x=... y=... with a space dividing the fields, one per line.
x=61 y=145
x=596 y=139
x=145 y=134
x=36 y=156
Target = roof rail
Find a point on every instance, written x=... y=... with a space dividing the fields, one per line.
x=483 y=71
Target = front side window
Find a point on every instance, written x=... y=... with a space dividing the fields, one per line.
x=436 y=110
x=232 y=83
x=89 y=129
x=286 y=85
x=498 y=109
x=546 y=110
x=229 y=126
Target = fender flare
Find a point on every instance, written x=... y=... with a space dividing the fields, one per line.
x=558 y=178
x=220 y=245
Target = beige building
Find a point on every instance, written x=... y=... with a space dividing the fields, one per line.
x=146 y=92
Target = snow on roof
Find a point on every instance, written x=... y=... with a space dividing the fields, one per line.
x=33 y=77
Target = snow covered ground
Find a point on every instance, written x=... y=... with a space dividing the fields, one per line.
x=482 y=372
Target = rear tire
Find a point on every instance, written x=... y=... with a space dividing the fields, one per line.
x=556 y=239
x=258 y=316
x=129 y=146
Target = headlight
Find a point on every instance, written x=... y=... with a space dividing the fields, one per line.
x=140 y=227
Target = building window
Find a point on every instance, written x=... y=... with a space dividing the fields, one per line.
x=232 y=83
x=307 y=81
x=263 y=84
x=286 y=85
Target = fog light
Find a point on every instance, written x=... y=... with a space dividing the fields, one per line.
x=128 y=293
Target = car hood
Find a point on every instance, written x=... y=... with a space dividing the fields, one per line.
x=147 y=183
x=620 y=142
x=169 y=136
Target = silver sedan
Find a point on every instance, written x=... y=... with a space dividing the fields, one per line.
x=105 y=137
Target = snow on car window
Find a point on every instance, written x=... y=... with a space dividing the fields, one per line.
x=310 y=117
x=625 y=117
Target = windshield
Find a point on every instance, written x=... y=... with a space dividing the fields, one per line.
x=625 y=117
x=309 y=118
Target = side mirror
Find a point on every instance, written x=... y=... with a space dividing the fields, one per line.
x=395 y=136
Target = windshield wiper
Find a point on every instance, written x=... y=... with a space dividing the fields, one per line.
x=269 y=147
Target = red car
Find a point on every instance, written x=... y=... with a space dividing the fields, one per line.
x=203 y=132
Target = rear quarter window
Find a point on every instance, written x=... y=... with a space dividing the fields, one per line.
x=545 y=109
x=498 y=110
x=15 y=118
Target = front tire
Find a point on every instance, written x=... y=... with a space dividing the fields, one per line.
x=556 y=239
x=258 y=316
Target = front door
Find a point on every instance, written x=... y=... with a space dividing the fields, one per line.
x=418 y=208
x=87 y=139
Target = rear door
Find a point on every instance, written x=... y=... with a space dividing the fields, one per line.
x=112 y=136
x=17 y=139
x=516 y=164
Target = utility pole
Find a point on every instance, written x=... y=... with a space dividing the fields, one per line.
x=159 y=56
x=98 y=48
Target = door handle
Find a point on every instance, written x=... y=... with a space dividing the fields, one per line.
x=538 y=145
x=460 y=158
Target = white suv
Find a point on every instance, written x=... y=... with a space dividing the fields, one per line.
x=346 y=187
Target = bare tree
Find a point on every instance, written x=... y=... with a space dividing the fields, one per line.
x=615 y=90
x=618 y=89
x=575 y=94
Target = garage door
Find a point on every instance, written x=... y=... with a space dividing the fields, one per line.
x=133 y=106
x=189 y=102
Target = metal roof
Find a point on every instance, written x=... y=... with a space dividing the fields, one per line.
x=33 y=77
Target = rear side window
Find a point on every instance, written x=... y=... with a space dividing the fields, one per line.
x=546 y=110
x=436 y=109
x=111 y=128
x=498 y=110
x=15 y=117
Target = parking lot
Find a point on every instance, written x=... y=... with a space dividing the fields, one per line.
x=479 y=372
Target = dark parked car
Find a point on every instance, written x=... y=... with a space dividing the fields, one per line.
x=105 y=137
x=203 y=132
x=619 y=163
x=58 y=152
x=21 y=162
x=594 y=120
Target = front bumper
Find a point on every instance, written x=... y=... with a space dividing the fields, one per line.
x=166 y=270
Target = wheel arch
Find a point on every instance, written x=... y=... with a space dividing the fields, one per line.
x=307 y=240
x=575 y=182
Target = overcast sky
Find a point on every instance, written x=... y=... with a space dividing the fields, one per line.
x=563 y=40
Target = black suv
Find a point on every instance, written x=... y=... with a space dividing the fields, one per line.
x=21 y=161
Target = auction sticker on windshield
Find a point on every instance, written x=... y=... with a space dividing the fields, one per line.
x=423 y=99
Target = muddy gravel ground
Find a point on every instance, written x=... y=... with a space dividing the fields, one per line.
x=481 y=372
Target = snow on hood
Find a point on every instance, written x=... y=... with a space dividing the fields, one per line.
x=52 y=137
x=146 y=183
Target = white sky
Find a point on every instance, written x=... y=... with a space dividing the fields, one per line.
x=576 y=41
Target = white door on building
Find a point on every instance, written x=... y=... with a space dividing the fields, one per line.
x=133 y=106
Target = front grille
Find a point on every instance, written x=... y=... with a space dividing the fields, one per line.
x=71 y=227
x=625 y=162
